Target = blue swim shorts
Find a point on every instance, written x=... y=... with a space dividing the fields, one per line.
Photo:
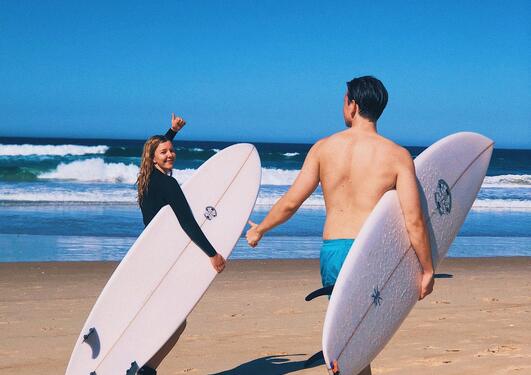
x=333 y=254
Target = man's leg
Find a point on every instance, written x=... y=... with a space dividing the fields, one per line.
x=155 y=361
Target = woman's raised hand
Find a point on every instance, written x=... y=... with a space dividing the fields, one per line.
x=177 y=123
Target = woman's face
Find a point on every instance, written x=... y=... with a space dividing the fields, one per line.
x=164 y=157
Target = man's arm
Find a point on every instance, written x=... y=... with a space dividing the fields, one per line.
x=408 y=195
x=304 y=185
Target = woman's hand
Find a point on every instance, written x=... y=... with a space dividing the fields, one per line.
x=177 y=123
x=218 y=262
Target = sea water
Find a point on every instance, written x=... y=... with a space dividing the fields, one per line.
x=72 y=200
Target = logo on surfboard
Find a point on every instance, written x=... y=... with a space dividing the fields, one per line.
x=443 y=198
x=210 y=212
x=376 y=297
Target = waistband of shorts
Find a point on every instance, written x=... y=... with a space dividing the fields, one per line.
x=339 y=240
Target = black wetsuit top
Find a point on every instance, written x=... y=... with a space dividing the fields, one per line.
x=163 y=190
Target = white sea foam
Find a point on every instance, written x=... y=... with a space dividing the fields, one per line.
x=279 y=177
x=93 y=170
x=127 y=194
x=96 y=170
x=55 y=150
x=290 y=154
x=267 y=200
x=65 y=195
x=502 y=204
x=508 y=180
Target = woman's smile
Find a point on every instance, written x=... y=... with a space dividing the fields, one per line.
x=164 y=157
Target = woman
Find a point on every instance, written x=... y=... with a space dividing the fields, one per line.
x=156 y=188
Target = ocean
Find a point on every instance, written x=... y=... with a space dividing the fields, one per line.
x=75 y=200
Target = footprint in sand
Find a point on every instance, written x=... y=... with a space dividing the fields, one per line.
x=441 y=302
x=237 y=315
x=287 y=311
x=498 y=350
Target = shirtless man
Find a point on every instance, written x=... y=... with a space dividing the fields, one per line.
x=355 y=168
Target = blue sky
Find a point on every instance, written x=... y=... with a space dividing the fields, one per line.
x=263 y=71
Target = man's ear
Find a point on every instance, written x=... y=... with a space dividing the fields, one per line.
x=353 y=108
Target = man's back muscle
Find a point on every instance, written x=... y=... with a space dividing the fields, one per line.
x=355 y=169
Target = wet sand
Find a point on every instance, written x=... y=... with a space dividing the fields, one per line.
x=254 y=320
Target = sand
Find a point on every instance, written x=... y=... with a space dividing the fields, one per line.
x=254 y=320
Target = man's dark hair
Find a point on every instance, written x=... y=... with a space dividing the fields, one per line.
x=369 y=94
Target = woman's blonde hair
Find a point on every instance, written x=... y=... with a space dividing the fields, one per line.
x=147 y=164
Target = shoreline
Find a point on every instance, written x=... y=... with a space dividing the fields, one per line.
x=480 y=259
x=254 y=320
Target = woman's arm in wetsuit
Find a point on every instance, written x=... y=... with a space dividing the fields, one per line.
x=180 y=205
x=184 y=214
x=170 y=134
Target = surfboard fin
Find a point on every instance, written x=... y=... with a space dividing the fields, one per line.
x=91 y=331
x=325 y=291
x=317 y=357
x=133 y=369
x=92 y=339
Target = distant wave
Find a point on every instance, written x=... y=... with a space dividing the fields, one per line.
x=502 y=204
x=69 y=195
x=290 y=154
x=96 y=170
x=55 y=150
x=508 y=180
x=127 y=195
x=93 y=170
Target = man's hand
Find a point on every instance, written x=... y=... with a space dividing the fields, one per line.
x=426 y=285
x=177 y=123
x=218 y=262
x=253 y=235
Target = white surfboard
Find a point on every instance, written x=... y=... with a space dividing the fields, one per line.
x=164 y=274
x=379 y=282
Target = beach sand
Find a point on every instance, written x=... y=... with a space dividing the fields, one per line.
x=254 y=320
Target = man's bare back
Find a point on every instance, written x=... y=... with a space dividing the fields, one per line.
x=355 y=169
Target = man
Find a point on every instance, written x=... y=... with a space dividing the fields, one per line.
x=355 y=168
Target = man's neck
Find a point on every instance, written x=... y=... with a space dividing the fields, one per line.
x=363 y=125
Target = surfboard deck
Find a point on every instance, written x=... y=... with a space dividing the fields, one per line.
x=379 y=282
x=165 y=274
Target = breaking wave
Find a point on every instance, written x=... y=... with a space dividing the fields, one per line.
x=54 y=150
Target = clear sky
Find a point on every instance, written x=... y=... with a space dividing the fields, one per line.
x=263 y=71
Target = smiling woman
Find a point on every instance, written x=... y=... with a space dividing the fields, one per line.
x=156 y=189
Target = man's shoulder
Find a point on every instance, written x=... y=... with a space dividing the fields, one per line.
x=329 y=141
x=319 y=144
x=393 y=147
